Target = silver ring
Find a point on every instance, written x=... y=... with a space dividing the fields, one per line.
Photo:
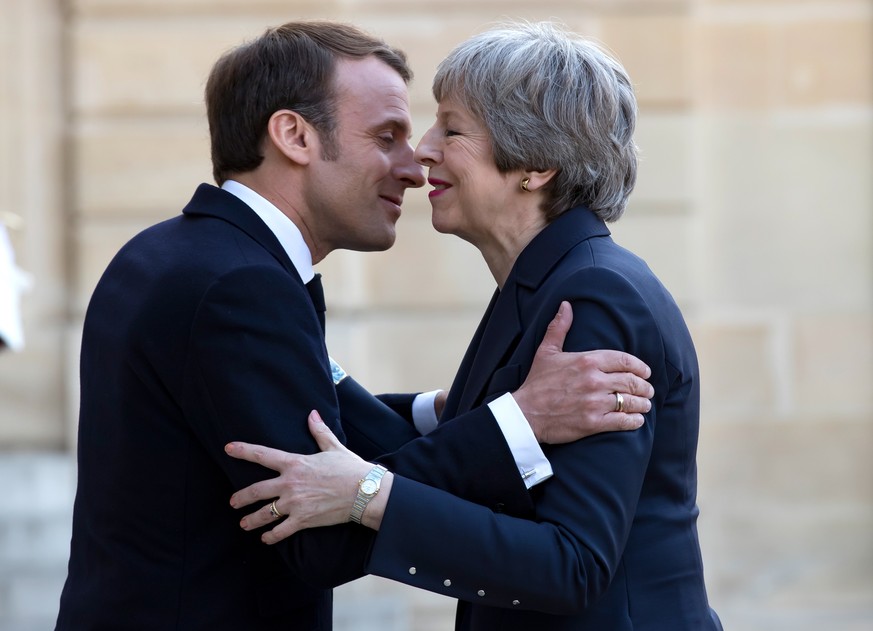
x=275 y=511
x=619 y=402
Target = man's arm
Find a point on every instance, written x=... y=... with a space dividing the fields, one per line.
x=256 y=360
x=470 y=457
x=552 y=396
x=584 y=515
x=372 y=426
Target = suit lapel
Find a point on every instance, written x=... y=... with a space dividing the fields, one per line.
x=499 y=336
x=451 y=408
x=502 y=325
x=496 y=332
x=210 y=201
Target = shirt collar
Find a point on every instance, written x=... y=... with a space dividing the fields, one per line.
x=280 y=224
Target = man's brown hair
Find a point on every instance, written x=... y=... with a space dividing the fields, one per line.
x=288 y=67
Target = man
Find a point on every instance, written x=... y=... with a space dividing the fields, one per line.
x=203 y=330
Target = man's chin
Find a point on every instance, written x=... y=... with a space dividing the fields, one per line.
x=389 y=243
x=376 y=244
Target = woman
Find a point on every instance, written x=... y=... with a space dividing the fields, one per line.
x=531 y=153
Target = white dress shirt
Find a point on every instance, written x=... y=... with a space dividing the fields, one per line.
x=533 y=466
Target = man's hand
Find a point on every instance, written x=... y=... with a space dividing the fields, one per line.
x=439 y=402
x=568 y=396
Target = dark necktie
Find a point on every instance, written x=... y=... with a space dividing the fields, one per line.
x=316 y=292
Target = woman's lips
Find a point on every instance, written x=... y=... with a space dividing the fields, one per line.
x=439 y=187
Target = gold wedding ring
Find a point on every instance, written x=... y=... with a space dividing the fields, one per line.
x=619 y=402
x=275 y=511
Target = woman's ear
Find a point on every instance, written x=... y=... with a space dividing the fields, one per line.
x=535 y=180
x=292 y=136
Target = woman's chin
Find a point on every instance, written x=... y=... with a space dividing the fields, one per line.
x=441 y=226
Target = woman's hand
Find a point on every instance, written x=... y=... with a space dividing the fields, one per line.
x=313 y=490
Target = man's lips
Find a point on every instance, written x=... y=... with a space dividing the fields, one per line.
x=397 y=200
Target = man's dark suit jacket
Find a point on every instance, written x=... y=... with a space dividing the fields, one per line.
x=613 y=543
x=201 y=332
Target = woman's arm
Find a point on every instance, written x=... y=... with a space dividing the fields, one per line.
x=583 y=515
x=466 y=457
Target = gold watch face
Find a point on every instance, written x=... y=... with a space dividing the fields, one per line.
x=368 y=487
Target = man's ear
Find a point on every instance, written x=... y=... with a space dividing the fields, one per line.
x=292 y=136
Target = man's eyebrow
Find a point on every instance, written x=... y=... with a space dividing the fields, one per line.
x=398 y=124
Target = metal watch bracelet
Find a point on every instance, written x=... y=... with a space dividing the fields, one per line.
x=368 y=487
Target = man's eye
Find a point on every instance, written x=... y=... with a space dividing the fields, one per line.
x=451 y=132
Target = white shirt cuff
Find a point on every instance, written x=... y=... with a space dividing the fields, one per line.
x=532 y=463
x=423 y=413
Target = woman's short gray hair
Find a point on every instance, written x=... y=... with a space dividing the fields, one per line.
x=550 y=99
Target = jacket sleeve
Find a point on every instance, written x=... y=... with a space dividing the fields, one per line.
x=372 y=427
x=468 y=457
x=257 y=366
x=563 y=559
x=400 y=403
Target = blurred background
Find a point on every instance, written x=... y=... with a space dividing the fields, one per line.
x=754 y=205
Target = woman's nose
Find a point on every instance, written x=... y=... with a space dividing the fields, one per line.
x=426 y=153
x=410 y=171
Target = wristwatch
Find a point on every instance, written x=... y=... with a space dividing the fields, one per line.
x=367 y=489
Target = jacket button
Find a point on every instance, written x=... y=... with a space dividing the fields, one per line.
x=515 y=602
x=412 y=570
x=481 y=592
x=447 y=583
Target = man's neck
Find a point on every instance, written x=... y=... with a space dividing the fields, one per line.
x=284 y=227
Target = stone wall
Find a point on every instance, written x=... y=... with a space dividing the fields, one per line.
x=754 y=205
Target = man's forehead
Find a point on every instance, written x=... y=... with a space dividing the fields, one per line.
x=369 y=77
x=371 y=89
